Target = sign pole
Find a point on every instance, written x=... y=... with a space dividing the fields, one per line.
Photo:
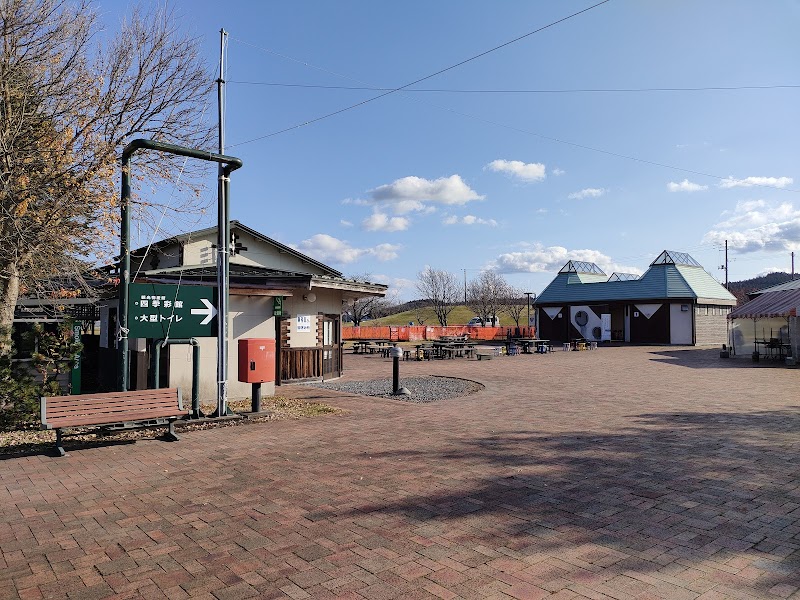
x=231 y=164
x=223 y=243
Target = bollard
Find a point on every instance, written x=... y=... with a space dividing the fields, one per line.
x=395 y=352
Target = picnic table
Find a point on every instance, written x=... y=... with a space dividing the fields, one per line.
x=371 y=346
x=530 y=345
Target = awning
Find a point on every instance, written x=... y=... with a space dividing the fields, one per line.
x=769 y=304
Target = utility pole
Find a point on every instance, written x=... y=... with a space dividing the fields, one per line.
x=726 y=263
x=465 y=285
x=792 y=265
x=528 y=296
x=223 y=243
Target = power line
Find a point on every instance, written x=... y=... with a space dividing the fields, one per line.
x=421 y=79
x=365 y=86
x=517 y=91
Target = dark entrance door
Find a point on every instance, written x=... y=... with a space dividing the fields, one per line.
x=331 y=348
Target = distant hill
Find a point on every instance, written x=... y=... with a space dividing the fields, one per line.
x=740 y=289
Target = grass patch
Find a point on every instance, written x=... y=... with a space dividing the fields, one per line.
x=29 y=439
x=460 y=316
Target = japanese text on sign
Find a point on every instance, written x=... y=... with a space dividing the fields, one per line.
x=303 y=323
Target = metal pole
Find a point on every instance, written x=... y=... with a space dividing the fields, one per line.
x=124 y=274
x=255 y=402
x=726 y=264
x=231 y=164
x=528 y=299
x=155 y=369
x=223 y=241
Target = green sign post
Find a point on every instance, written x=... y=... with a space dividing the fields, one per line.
x=75 y=375
x=161 y=311
x=277 y=306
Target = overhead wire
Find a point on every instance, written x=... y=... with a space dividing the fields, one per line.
x=504 y=125
x=421 y=79
x=522 y=91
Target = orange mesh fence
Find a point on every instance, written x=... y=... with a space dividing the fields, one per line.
x=416 y=333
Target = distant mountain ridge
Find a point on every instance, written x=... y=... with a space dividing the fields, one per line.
x=740 y=289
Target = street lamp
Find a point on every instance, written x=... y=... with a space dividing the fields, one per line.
x=529 y=294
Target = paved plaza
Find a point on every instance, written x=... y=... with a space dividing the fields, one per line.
x=618 y=473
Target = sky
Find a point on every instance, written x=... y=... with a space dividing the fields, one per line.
x=586 y=140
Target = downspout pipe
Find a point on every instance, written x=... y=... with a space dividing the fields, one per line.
x=156 y=369
x=230 y=164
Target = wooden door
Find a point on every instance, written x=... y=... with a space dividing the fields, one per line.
x=331 y=348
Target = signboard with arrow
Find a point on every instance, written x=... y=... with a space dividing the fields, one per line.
x=160 y=311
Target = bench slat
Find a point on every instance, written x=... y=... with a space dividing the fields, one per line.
x=65 y=417
x=108 y=418
x=101 y=404
x=165 y=393
x=112 y=407
x=131 y=394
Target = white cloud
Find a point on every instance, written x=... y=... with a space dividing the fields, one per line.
x=541 y=211
x=558 y=172
x=378 y=221
x=779 y=182
x=539 y=259
x=412 y=193
x=685 y=186
x=468 y=220
x=758 y=225
x=344 y=223
x=519 y=169
x=587 y=193
x=401 y=287
x=356 y=201
x=329 y=249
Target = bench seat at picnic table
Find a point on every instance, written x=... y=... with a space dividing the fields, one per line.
x=142 y=408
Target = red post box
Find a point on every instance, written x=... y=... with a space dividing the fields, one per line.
x=256 y=360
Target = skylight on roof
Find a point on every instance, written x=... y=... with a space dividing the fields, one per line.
x=623 y=277
x=670 y=257
x=579 y=266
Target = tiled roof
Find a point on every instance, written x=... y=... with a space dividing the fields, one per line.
x=671 y=275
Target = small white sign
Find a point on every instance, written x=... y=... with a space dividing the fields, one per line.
x=303 y=323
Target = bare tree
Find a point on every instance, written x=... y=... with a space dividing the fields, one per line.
x=442 y=289
x=515 y=304
x=67 y=108
x=487 y=294
x=370 y=307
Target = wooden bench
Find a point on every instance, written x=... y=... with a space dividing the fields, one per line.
x=113 y=411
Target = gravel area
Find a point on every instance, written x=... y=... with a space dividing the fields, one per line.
x=423 y=389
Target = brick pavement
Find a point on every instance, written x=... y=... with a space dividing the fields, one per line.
x=622 y=473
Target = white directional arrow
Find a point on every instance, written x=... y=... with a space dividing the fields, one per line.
x=210 y=311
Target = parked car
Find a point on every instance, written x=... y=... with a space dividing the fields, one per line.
x=478 y=322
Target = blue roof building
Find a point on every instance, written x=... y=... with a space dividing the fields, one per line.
x=675 y=302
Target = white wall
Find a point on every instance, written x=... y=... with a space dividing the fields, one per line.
x=680 y=324
x=594 y=321
x=327 y=302
x=249 y=317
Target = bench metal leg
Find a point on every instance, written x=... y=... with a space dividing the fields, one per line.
x=171 y=436
x=59 y=443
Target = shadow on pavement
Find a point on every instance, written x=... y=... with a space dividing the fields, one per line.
x=691 y=487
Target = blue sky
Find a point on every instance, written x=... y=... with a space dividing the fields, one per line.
x=519 y=182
